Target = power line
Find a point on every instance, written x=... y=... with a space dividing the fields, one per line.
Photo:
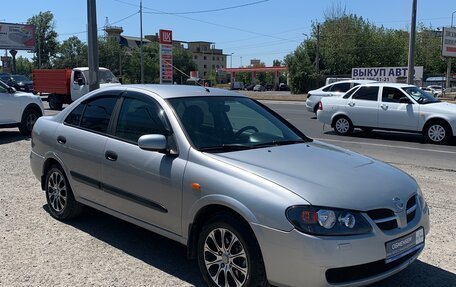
x=212 y=10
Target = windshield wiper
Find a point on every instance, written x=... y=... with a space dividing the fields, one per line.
x=277 y=143
x=226 y=147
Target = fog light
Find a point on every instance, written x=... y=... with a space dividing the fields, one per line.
x=347 y=220
x=326 y=218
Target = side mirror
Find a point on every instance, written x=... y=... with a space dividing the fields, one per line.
x=153 y=143
x=404 y=100
x=11 y=90
x=80 y=81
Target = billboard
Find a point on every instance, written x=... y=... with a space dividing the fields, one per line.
x=386 y=74
x=166 y=56
x=17 y=36
x=449 y=42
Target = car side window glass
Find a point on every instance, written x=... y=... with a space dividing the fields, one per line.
x=391 y=95
x=138 y=118
x=3 y=90
x=366 y=94
x=97 y=114
x=348 y=95
x=328 y=88
x=341 y=87
x=74 y=118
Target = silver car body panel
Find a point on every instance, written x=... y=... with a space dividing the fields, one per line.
x=258 y=184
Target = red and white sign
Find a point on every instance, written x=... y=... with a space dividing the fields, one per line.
x=449 y=42
x=166 y=56
x=17 y=36
x=166 y=37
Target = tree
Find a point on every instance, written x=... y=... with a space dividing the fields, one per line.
x=182 y=60
x=71 y=53
x=113 y=56
x=46 y=43
x=24 y=66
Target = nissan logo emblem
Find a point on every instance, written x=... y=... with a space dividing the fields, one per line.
x=398 y=203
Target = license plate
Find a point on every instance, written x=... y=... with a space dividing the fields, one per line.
x=400 y=247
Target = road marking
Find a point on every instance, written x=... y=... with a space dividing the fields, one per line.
x=390 y=146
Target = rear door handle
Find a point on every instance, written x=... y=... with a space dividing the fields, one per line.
x=61 y=140
x=351 y=104
x=384 y=107
x=110 y=155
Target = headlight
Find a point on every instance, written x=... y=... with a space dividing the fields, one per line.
x=326 y=221
x=423 y=202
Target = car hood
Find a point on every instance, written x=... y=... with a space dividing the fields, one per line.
x=442 y=107
x=326 y=175
x=26 y=95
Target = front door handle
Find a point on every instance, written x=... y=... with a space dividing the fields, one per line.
x=351 y=104
x=110 y=155
x=61 y=140
x=384 y=107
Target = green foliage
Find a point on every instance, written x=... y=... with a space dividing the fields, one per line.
x=71 y=53
x=182 y=60
x=24 y=66
x=46 y=39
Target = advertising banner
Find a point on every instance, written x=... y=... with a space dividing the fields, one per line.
x=17 y=36
x=386 y=74
x=166 y=56
x=449 y=42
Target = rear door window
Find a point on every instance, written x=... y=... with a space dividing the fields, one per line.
x=98 y=113
x=366 y=94
x=341 y=87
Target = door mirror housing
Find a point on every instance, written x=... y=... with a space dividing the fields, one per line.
x=80 y=81
x=404 y=100
x=11 y=90
x=153 y=142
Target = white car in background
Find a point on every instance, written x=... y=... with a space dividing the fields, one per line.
x=390 y=106
x=334 y=89
x=19 y=109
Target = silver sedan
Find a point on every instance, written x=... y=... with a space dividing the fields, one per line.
x=255 y=201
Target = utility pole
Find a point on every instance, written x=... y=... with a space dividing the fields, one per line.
x=448 y=74
x=92 y=40
x=411 y=56
x=141 y=44
x=317 y=56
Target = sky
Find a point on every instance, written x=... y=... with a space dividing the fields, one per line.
x=261 y=29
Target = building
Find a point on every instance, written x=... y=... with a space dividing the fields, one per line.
x=206 y=57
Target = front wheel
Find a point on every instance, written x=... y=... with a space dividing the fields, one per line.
x=343 y=126
x=55 y=102
x=229 y=255
x=437 y=132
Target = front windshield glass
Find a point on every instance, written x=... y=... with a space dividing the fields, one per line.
x=104 y=76
x=20 y=78
x=420 y=96
x=232 y=123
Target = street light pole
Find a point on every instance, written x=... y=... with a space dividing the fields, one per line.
x=231 y=60
x=411 y=56
x=92 y=40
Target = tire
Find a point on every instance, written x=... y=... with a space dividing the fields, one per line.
x=29 y=118
x=316 y=108
x=437 y=132
x=55 y=102
x=59 y=196
x=239 y=255
x=343 y=126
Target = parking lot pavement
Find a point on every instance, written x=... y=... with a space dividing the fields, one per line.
x=100 y=250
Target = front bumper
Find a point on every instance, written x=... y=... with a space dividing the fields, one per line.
x=297 y=259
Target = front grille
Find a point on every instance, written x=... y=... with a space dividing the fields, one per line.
x=363 y=271
x=386 y=219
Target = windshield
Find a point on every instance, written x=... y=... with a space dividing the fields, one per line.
x=20 y=78
x=105 y=76
x=420 y=96
x=221 y=124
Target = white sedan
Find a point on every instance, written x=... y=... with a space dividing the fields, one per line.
x=390 y=106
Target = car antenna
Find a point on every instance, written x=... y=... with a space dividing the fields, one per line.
x=183 y=73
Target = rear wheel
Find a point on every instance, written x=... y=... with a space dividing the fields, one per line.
x=229 y=255
x=29 y=118
x=61 y=202
x=437 y=132
x=343 y=126
x=55 y=102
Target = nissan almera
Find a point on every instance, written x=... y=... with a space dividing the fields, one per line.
x=255 y=201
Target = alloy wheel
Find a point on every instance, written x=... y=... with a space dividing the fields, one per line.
x=342 y=125
x=57 y=191
x=225 y=258
x=436 y=133
x=30 y=121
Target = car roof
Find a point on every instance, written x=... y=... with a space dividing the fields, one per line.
x=386 y=84
x=177 y=91
x=352 y=81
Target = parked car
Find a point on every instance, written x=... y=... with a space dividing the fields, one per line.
x=254 y=200
x=334 y=89
x=436 y=90
x=250 y=87
x=18 y=109
x=283 y=87
x=19 y=82
x=390 y=106
x=259 y=88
